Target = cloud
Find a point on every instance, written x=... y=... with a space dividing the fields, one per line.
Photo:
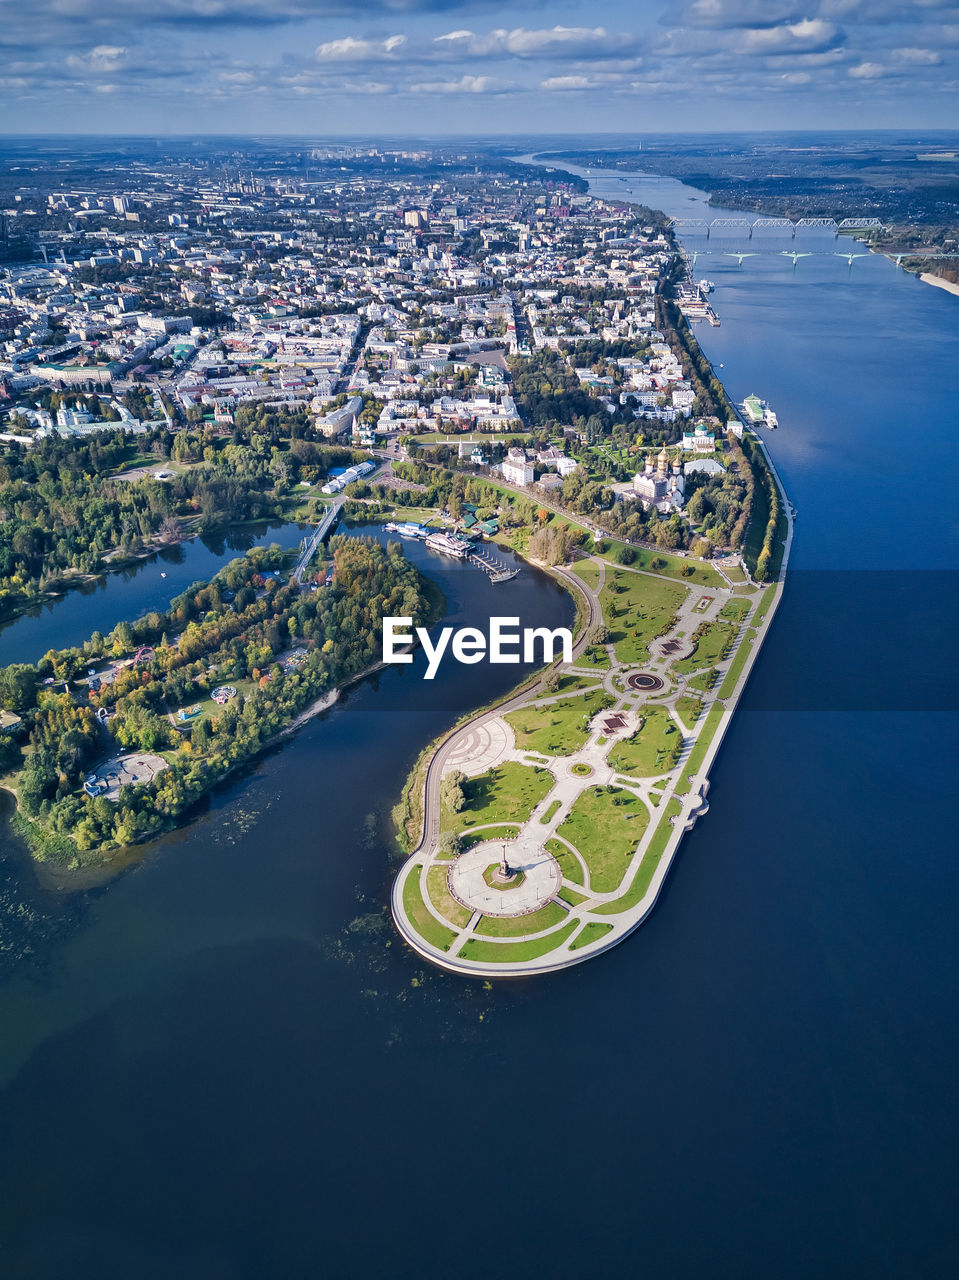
x=867 y=71
x=465 y=84
x=737 y=13
x=547 y=42
x=807 y=36
x=354 y=49
x=104 y=58
x=918 y=57
x=562 y=84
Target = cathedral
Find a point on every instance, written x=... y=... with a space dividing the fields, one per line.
x=661 y=484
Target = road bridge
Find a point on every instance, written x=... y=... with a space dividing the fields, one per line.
x=311 y=545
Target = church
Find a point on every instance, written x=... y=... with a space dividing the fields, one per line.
x=661 y=484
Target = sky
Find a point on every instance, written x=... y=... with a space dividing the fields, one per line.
x=427 y=67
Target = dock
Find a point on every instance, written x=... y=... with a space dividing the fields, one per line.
x=495 y=569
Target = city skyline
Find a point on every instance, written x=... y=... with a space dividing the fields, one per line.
x=450 y=66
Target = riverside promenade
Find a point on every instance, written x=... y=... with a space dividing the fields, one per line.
x=590 y=885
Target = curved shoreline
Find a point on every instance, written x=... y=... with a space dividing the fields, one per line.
x=693 y=805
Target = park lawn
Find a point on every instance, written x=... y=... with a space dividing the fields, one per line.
x=568 y=863
x=767 y=599
x=590 y=933
x=443 y=900
x=521 y=926
x=644 y=609
x=734 y=610
x=605 y=833
x=735 y=574
x=588 y=572
x=571 y=896
x=425 y=924
x=689 y=710
x=651 y=750
x=210 y=710
x=699 y=750
x=567 y=684
x=651 y=860
x=510 y=792
x=705 y=680
x=735 y=671
x=514 y=952
x=557 y=728
x=500 y=831
x=550 y=813
x=666 y=566
x=713 y=641
x=595 y=656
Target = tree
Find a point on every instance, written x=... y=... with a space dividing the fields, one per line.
x=452 y=793
x=450 y=844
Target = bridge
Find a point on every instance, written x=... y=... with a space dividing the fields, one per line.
x=700 y=226
x=311 y=544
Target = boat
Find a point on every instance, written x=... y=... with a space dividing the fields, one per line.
x=770 y=420
x=405 y=528
x=707 y=286
x=448 y=545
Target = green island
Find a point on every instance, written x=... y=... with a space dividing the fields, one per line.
x=114 y=741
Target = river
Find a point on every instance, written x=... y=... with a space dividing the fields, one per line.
x=103 y=601
x=227 y=1064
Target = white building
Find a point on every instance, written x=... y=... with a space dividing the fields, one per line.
x=516 y=467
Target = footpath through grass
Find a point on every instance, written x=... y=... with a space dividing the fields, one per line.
x=590 y=933
x=735 y=671
x=654 y=748
x=713 y=641
x=696 y=756
x=423 y=921
x=513 y=952
x=520 y=926
x=558 y=728
x=651 y=860
x=605 y=824
x=638 y=608
x=443 y=900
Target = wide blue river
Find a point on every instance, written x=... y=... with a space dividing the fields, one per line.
x=227 y=1065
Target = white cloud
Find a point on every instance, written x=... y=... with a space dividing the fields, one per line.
x=795 y=37
x=918 y=57
x=546 y=42
x=867 y=71
x=103 y=58
x=465 y=84
x=355 y=49
x=563 y=83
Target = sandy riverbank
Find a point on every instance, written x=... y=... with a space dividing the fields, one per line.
x=938 y=281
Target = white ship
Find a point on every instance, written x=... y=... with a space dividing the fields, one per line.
x=758 y=413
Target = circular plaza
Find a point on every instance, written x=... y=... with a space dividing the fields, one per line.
x=474 y=879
